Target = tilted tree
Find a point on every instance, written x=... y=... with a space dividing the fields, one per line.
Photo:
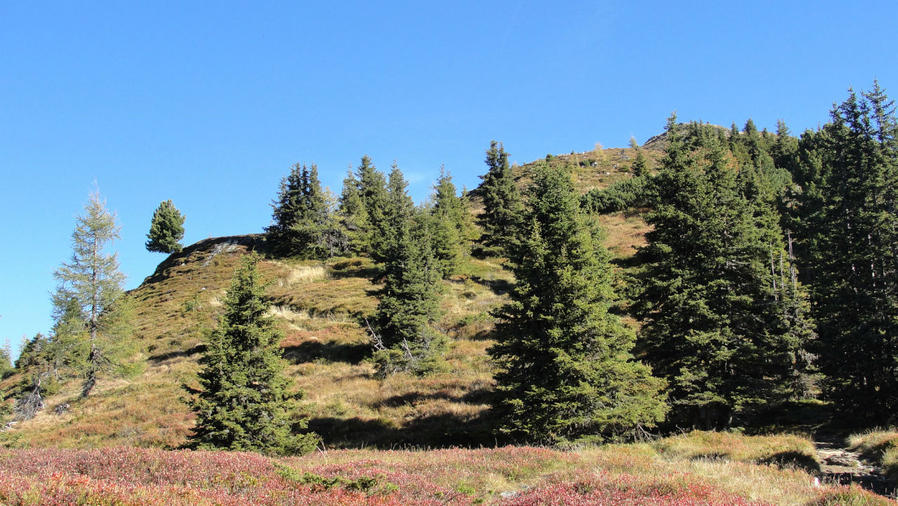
x=565 y=371
x=166 y=229
x=93 y=282
x=501 y=202
x=244 y=402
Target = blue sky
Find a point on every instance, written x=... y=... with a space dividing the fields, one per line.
x=210 y=103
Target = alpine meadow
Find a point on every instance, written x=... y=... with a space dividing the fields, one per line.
x=705 y=316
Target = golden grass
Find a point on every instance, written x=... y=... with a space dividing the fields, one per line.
x=784 y=449
x=879 y=446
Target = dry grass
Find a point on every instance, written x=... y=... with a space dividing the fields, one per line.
x=783 y=450
x=879 y=446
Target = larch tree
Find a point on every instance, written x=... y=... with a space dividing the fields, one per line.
x=166 y=229
x=565 y=369
x=244 y=402
x=92 y=281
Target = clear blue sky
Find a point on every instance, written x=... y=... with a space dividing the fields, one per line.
x=209 y=103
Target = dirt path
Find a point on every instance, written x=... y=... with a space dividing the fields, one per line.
x=838 y=464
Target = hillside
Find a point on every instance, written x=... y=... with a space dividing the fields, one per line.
x=321 y=308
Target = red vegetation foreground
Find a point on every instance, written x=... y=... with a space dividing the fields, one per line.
x=149 y=476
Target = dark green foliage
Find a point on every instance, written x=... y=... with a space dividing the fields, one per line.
x=31 y=351
x=373 y=193
x=850 y=219
x=725 y=321
x=166 y=229
x=501 y=202
x=409 y=301
x=302 y=221
x=353 y=215
x=565 y=368
x=245 y=403
x=621 y=195
x=640 y=165
x=451 y=226
x=90 y=285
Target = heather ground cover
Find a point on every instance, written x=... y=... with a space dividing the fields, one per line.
x=625 y=474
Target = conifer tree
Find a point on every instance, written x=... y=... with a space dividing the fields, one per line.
x=501 y=202
x=852 y=233
x=372 y=187
x=723 y=323
x=302 y=221
x=409 y=300
x=451 y=226
x=245 y=403
x=565 y=368
x=93 y=282
x=640 y=166
x=353 y=215
x=166 y=229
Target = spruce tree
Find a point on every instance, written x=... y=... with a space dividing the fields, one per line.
x=852 y=232
x=501 y=202
x=640 y=166
x=451 y=226
x=353 y=215
x=723 y=323
x=302 y=220
x=409 y=301
x=245 y=403
x=93 y=282
x=166 y=229
x=565 y=368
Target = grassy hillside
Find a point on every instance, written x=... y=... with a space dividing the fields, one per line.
x=321 y=308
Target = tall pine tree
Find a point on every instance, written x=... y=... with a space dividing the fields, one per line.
x=852 y=233
x=565 y=368
x=245 y=403
x=409 y=301
x=166 y=229
x=452 y=228
x=501 y=202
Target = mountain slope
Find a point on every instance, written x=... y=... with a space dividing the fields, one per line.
x=321 y=308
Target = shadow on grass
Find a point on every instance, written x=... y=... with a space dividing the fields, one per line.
x=310 y=351
x=497 y=286
x=161 y=357
x=478 y=396
x=794 y=460
x=437 y=431
x=354 y=268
